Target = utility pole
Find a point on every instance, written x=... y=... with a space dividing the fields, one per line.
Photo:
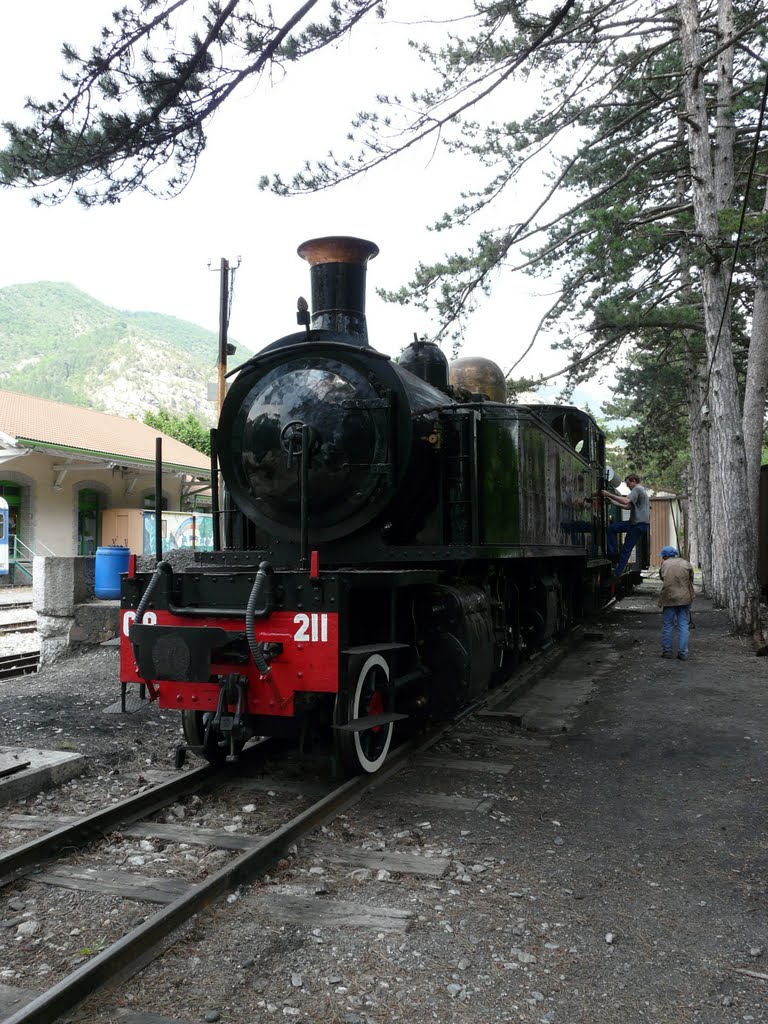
x=223 y=326
x=225 y=349
x=226 y=287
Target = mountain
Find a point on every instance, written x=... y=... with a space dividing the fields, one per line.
x=57 y=342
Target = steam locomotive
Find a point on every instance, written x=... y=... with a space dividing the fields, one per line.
x=395 y=538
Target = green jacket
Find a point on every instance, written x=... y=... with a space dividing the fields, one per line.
x=677 y=579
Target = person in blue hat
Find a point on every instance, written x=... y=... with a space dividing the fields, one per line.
x=675 y=599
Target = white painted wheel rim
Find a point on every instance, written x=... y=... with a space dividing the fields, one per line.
x=366 y=763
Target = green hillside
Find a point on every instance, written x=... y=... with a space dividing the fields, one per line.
x=59 y=343
x=195 y=341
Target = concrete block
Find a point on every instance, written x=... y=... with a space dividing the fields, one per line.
x=62 y=621
x=53 y=585
x=59 y=583
x=95 y=622
x=46 y=768
x=52 y=649
x=54 y=625
x=84 y=578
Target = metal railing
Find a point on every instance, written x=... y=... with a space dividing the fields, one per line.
x=21 y=556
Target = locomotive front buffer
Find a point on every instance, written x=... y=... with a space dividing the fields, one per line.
x=186 y=654
x=269 y=666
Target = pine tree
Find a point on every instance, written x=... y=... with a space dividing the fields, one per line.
x=135 y=109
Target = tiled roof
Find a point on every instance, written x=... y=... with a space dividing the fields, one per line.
x=54 y=425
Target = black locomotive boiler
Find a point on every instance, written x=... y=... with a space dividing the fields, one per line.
x=395 y=539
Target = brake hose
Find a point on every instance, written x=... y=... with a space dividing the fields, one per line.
x=163 y=566
x=262 y=582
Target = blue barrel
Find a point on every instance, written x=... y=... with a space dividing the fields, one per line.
x=110 y=562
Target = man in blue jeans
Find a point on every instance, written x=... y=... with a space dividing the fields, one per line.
x=675 y=598
x=639 y=522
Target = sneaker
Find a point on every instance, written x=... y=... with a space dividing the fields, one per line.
x=682 y=657
x=666 y=654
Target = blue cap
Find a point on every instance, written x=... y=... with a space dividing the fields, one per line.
x=668 y=552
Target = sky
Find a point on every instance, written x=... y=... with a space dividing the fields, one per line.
x=148 y=253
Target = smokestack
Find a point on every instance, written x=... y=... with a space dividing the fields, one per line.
x=337 y=274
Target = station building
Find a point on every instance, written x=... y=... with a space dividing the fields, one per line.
x=66 y=472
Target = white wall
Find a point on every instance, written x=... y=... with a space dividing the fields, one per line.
x=54 y=513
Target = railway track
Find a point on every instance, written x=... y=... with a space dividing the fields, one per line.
x=19 y=664
x=251 y=856
x=25 y=626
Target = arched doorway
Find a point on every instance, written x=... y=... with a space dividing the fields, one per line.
x=88 y=521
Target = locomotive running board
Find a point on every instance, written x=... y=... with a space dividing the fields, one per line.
x=374 y=648
x=370 y=722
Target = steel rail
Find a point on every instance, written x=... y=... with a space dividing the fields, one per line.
x=23 y=664
x=22 y=859
x=25 y=626
x=132 y=952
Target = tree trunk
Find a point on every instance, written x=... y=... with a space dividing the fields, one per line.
x=699 y=489
x=718 y=512
x=757 y=379
x=734 y=549
x=754 y=405
x=690 y=546
x=699 y=537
